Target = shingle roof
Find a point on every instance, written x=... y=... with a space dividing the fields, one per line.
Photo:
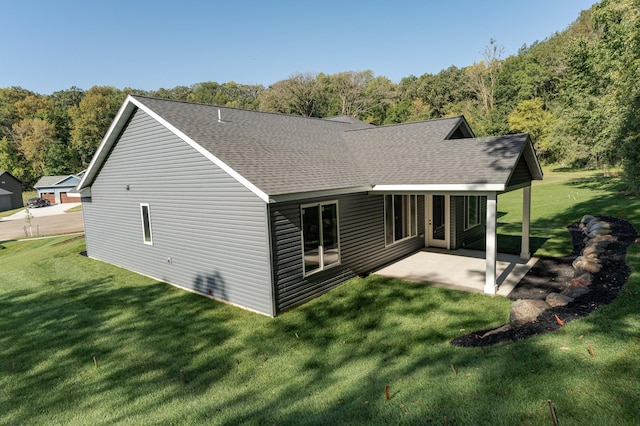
x=410 y=154
x=53 y=181
x=48 y=181
x=285 y=154
x=278 y=153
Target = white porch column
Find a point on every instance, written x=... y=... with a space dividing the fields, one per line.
x=525 y=252
x=491 y=244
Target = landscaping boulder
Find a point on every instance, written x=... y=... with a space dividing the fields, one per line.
x=526 y=310
x=575 y=292
x=592 y=250
x=586 y=264
x=582 y=280
x=601 y=240
x=596 y=225
x=589 y=290
x=557 y=299
x=586 y=219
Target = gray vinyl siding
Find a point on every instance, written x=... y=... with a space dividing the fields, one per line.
x=13 y=200
x=210 y=233
x=362 y=246
x=521 y=173
x=472 y=234
x=5 y=202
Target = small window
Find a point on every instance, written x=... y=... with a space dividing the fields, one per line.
x=471 y=211
x=321 y=248
x=400 y=217
x=146 y=224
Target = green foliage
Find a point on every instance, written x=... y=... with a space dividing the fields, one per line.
x=10 y=159
x=8 y=114
x=60 y=161
x=530 y=116
x=438 y=91
x=91 y=119
x=298 y=94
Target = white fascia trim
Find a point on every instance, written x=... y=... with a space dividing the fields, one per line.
x=317 y=194
x=106 y=143
x=64 y=179
x=215 y=160
x=440 y=188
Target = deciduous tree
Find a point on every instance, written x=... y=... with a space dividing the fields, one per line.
x=91 y=119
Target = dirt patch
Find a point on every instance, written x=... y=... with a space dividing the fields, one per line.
x=551 y=275
x=70 y=240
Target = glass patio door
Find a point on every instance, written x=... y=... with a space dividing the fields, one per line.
x=438 y=221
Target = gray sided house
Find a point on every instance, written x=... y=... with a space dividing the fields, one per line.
x=10 y=192
x=267 y=211
x=58 y=189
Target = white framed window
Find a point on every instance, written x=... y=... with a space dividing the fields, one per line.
x=400 y=217
x=145 y=213
x=471 y=211
x=320 y=239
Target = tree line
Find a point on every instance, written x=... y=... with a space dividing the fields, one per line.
x=575 y=93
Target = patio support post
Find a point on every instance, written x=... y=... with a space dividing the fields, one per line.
x=525 y=252
x=491 y=244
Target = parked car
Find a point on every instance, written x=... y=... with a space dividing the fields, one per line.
x=38 y=202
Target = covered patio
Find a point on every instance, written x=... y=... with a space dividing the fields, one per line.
x=460 y=269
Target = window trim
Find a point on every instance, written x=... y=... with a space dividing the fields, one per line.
x=322 y=266
x=413 y=224
x=146 y=223
x=467 y=217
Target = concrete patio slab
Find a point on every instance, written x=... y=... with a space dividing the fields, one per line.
x=459 y=270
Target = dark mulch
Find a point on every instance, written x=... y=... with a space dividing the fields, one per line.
x=553 y=274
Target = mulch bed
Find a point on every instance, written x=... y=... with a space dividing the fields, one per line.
x=553 y=274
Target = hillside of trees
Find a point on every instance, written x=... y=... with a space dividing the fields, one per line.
x=575 y=93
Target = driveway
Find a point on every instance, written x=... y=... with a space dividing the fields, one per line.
x=51 y=210
x=50 y=220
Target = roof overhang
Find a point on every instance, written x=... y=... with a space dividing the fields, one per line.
x=461 y=189
x=317 y=194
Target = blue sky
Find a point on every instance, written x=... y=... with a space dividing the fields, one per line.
x=52 y=45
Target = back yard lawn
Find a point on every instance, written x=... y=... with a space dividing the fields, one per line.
x=85 y=342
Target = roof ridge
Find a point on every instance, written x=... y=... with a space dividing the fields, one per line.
x=282 y=114
x=408 y=123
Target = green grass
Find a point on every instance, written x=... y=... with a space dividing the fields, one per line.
x=559 y=200
x=77 y=208
x=165 y=356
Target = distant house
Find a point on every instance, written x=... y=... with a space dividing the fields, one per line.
x=267 y=211
x=56 y=188
x=10 y=192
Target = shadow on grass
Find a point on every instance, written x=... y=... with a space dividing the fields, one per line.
x=68 y=342
x=167 y=356
x=600 y=183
